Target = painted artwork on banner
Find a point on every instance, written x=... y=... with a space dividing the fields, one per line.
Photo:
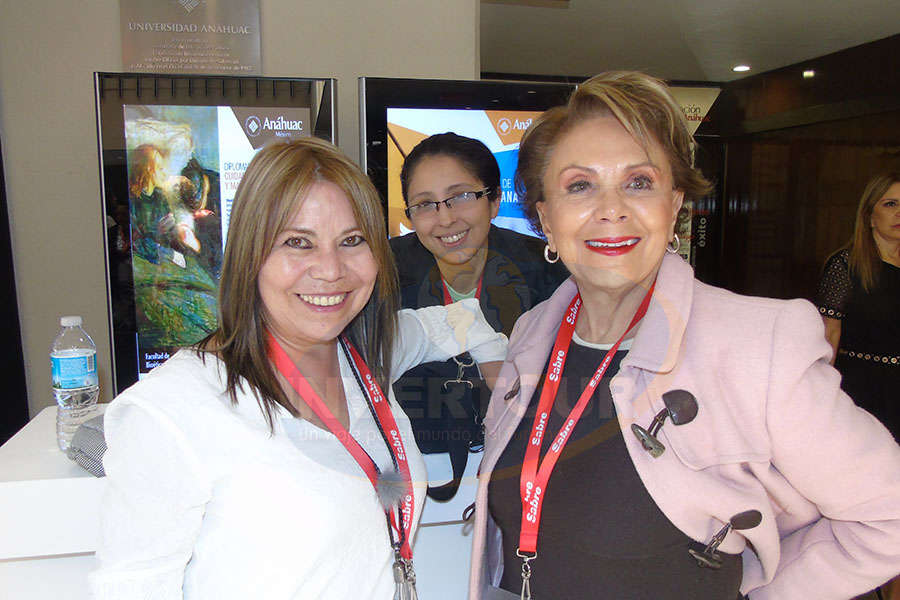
x=191 y=36
x=184 y=167
x=499 y=130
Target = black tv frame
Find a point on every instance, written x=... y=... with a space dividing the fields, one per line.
x=172 y=89
x=377 y=94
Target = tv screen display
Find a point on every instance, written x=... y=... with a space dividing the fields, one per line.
x=499 y=130
x=173 y=152
x=396 y=114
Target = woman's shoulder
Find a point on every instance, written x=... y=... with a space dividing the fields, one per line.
x=727 y=313
x=515 y=246
x=403 y=244
x=189 y=366
x=187 y=382
x=414 y=261
x=526 y=252
x=839 y=259
x=533 y=324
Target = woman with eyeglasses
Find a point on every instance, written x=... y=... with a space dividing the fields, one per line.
x=451 y=187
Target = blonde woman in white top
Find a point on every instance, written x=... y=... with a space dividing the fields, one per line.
x=267 y=462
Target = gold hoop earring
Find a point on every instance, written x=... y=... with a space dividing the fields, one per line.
x=548 y=252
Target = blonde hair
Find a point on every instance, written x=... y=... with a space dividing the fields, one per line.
x=143 y=167
x=644 y=107
x=865 y=260
x=275 y=184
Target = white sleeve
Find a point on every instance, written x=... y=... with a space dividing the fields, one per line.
x=437 y=333
x=153 y=506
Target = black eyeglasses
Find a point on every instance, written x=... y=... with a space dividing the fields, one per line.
x=430 y=208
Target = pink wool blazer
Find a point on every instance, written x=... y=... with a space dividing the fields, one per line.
x=774 y=433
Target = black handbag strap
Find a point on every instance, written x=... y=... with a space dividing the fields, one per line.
x=459 y=454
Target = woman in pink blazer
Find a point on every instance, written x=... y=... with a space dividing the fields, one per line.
x=697 y=441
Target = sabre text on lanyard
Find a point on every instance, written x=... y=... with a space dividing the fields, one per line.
x=533 y=483
x=386 y=422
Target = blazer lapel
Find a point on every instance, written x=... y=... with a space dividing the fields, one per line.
x=658 y=338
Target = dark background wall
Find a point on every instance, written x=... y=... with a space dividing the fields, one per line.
x=790 y=157
x=793 y=156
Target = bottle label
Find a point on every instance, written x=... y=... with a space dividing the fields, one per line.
x=71 y=372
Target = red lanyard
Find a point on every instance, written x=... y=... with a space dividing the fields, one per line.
x=386 y=421
x=449 y=300
x=533 y=483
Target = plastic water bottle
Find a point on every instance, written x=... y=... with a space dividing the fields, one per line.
x=73 y=364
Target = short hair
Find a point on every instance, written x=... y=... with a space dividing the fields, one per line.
x=473 y=154
x=865 y=260
x=275 y=184
x=645 y=108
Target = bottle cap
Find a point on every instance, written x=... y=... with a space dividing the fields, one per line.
x=70 y=321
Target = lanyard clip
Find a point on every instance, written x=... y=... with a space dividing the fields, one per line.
x=460 y=371
x=526 y=557
x=404 y=577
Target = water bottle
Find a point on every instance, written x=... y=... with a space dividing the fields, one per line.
x=73 y=364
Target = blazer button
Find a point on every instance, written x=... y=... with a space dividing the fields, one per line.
x=681 y=407
x=513 y=390
x=706 y=556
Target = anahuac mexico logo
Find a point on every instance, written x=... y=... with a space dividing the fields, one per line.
x=277 y=127
x=253 y=126
x=506 y=125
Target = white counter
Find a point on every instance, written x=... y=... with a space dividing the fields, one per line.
x=49 y=516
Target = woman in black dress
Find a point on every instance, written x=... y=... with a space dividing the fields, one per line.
x=859 y=298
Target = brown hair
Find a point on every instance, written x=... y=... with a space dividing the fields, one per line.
x=865 y=260
x=472 y=154
x=271 y=191
x=645 y=108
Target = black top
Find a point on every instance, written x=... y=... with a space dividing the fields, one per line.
x=601 y=534
x=447 y=418
x=516 y=276
x=869 y=350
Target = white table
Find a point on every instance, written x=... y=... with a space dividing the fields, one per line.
x=49 y=516
x=49 y=522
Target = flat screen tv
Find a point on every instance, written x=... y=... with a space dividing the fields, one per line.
x=172 y=152
x=396 y=114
